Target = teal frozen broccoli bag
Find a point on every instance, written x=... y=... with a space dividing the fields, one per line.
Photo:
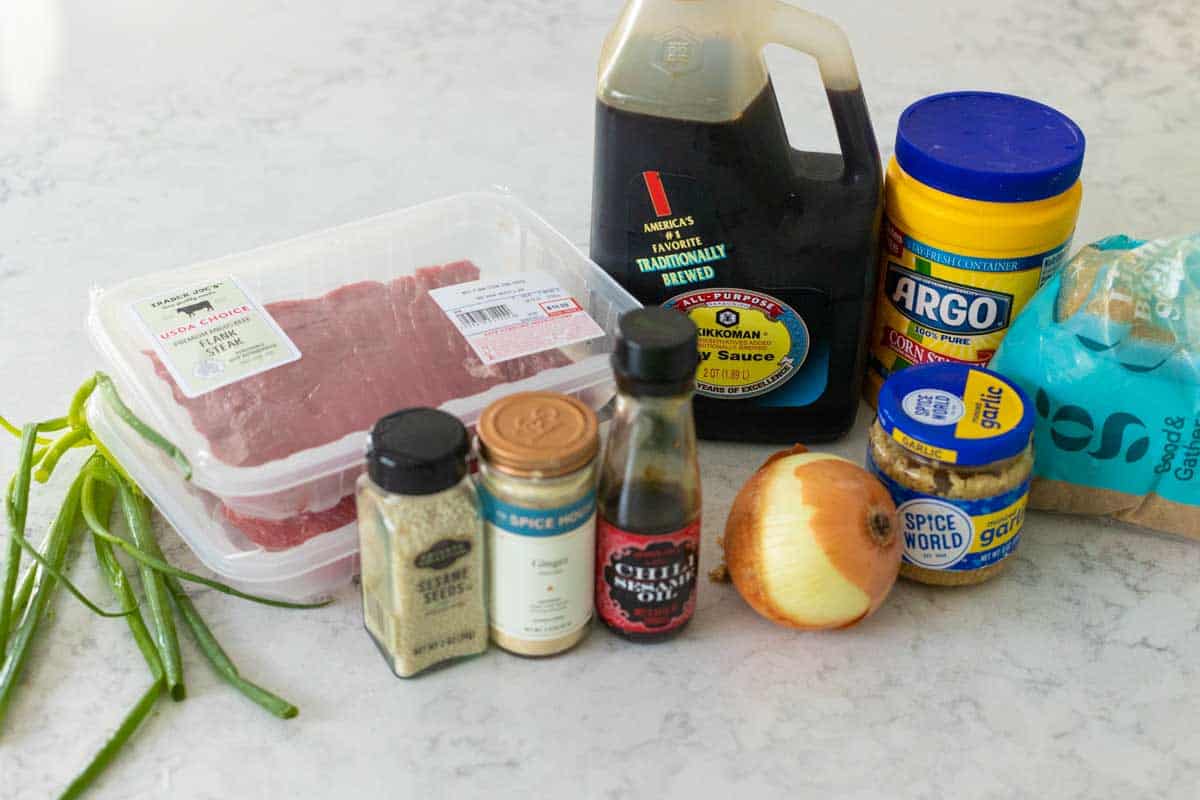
x=1110 y=351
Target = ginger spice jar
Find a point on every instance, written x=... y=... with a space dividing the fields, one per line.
x=537 y=486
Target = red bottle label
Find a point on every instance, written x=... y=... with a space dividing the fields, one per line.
x=646 y=584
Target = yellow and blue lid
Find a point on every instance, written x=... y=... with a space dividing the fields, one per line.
x=987 y=146
x=956 y=413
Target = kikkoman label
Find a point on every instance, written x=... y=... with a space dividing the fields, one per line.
x=675 y=238
x=937 y=306
x=212 y=335
x=750 y=343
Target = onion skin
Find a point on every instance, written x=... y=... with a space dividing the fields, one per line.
x=812 y=541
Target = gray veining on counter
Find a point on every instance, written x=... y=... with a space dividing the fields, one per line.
x=137 y=135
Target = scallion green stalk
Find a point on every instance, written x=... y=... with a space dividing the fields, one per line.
x=137 y=518
x=220 y=661
x=105 y=385
x=133 y=720
x=16 y=508
x=98 y=498
x=58 y=541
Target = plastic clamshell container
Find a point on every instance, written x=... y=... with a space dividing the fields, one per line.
x=494 y=231
x=313 y=570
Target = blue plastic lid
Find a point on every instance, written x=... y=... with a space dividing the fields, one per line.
x=956 y=413
x=988 y=146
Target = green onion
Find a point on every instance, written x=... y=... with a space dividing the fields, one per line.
x=75 y=414
x=15 y=431
x=57 y=542
x=220 y=660
x=71 y=587
x=137 y=518
x=17 y=506
x=114 y=466
x=91 y=500
x=21 y=599
x=99 y=502
x=77 y=437
x=105 y=385
x=133 y=720
x=160 y=565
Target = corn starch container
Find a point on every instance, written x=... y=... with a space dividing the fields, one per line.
x=982 y=198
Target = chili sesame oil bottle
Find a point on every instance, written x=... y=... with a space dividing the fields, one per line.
x=648 y=533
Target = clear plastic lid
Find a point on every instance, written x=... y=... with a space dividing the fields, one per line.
x=151 y=333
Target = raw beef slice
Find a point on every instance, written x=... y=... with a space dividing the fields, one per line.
x=368 y=349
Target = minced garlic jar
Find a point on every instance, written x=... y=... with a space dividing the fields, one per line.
x=952 y=443
x=537 y=485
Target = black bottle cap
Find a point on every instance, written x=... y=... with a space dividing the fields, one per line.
x=656 y=353
x=417 y=451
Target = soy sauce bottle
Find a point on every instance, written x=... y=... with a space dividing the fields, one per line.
x=700 y=204
x=648 y=531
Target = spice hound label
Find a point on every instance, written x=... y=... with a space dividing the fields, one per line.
x=515 y=316
x=212 y=335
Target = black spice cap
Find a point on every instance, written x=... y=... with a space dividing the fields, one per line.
x=417 y=451
x=656 y=353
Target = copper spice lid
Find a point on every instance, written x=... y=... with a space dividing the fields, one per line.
x=538 y=433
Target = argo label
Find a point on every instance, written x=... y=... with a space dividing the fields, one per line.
x=938 y=306
x=646 y=584
x=956 y=535
x=946 y=307
x=750 y=343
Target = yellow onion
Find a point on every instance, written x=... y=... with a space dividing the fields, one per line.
x=812 y=541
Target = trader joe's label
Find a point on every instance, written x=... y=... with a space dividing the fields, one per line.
x=515 y=315
x=213 y=335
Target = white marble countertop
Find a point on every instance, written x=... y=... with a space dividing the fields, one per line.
x=139 y=135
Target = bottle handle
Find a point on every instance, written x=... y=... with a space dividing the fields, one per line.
x=826 y=42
